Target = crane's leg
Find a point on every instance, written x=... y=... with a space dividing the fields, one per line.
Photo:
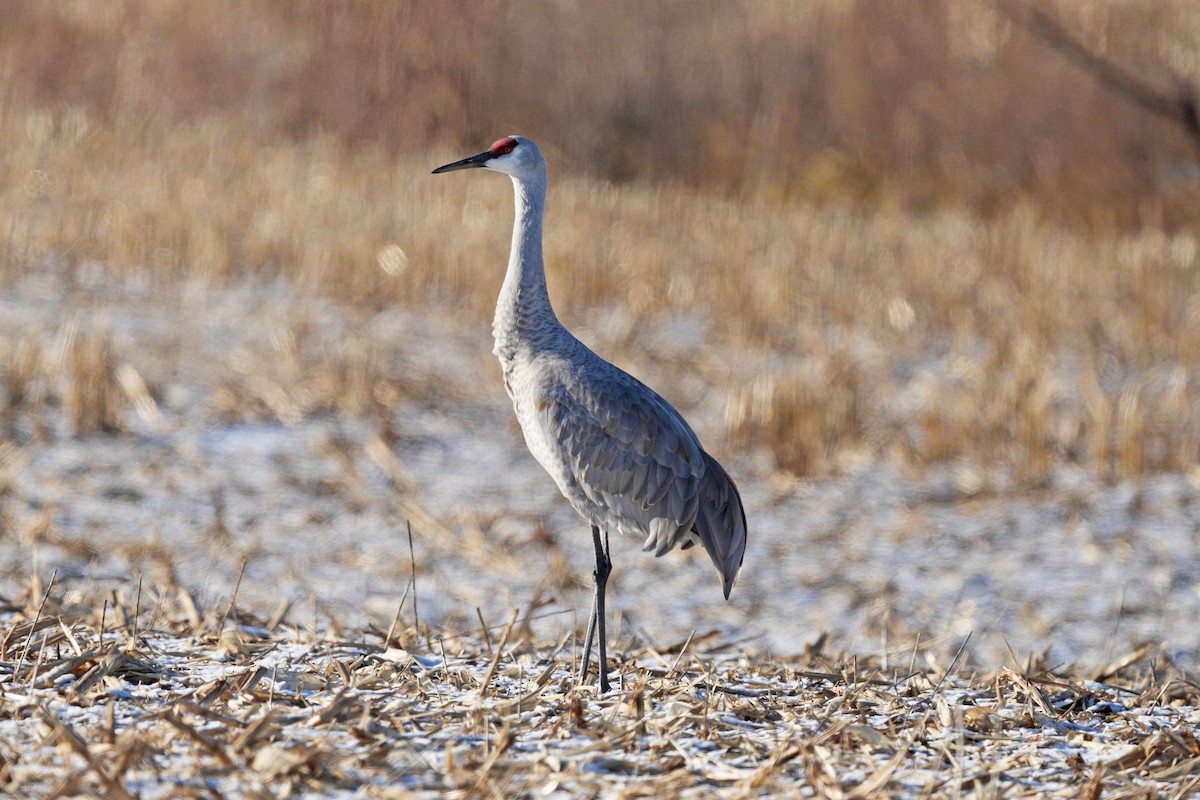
x=587 y=642
x=603 y=568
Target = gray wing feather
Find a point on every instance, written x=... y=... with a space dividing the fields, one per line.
x=631 y=452
x=721 y=523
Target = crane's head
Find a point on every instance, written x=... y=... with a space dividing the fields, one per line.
x=513 y=155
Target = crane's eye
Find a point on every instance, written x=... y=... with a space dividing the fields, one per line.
x=504 y=146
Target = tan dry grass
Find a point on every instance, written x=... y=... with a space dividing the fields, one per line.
x=924 y=103
x=928 y=338
x=217 y=140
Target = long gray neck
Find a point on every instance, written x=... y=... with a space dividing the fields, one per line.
x=524 y=318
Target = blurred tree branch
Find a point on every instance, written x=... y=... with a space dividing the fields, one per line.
x=1179 y=105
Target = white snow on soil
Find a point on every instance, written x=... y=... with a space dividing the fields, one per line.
x=872 y=556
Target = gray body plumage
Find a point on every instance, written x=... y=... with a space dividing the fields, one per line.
x=622 y=456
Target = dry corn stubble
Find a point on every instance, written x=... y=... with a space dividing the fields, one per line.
x=152 y=695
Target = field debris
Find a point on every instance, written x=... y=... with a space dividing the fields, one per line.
x=948 y=345
x=177 y=709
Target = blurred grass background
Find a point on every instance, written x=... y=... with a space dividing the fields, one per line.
x=924 y=234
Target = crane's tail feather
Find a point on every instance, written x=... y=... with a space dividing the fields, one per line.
x=721 y=522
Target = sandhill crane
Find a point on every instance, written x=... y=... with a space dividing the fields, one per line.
x=623 y=457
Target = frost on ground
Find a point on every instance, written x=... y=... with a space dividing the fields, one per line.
x=277 y=447
x=300 y=438
x=177 y=710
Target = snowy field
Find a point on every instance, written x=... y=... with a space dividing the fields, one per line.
x=218 y=599
x=233 y=460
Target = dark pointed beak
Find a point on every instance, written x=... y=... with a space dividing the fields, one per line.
x=472 y=161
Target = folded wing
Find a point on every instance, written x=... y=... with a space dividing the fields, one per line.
x=641 y=466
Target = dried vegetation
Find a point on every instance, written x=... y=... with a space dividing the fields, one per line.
x=1014 y=283
x=151 y=695
x=914 y=234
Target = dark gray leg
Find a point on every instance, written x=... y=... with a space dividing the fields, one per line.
x=603 y=568
x=587 y=642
